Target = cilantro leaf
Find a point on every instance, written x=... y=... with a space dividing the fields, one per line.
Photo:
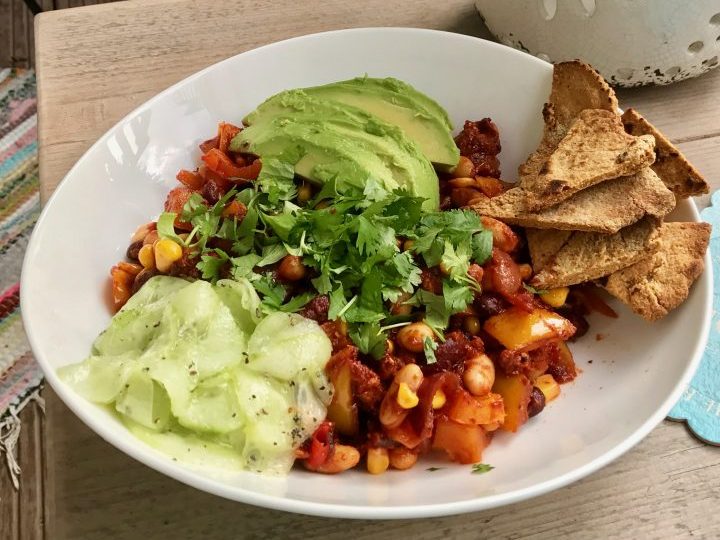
x=166 y=227
x=482 y=243
x=211 y=264
x=455 y=260
x=272 y=254
x=243 y=266
x=481 y=468
x=369 y=339
x=429 y=346
x=276 y=178
x=375 y=238
x=337 y=303
x=437 y=314
x=457 y=296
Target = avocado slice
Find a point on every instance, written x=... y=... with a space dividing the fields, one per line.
x=339 y=138
x=324 y=153
x=422 y=118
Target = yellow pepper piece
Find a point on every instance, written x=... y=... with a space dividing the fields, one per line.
x=555 y=297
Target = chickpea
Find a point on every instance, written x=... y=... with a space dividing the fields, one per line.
x=412 y=337
x=408 y=244
x=142 y=232
x=472 y=325
x=464 y=182
x=479 y=375
x=304 y=193
x=402 y=458
x=343 y=458
x=410 y=374
x=400 y=307
x=526 y=271
x=291 y=268
x=464 y=168
x=151 y=238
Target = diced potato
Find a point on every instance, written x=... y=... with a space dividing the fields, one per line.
x=517 y=329
x=515 y=391
x=470 y=410
x=343 y=409
x=463 y=443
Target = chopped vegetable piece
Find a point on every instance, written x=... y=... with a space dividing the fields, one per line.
x=518 y=330
x=515 y=391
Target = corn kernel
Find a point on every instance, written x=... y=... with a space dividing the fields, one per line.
x=146 y=256
x=555 y=297
x=166 y=252
x=406 y=398
x=439 y=399
x=548 y=386
x=378 y=460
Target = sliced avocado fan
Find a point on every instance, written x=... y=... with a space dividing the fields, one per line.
x=340 y=140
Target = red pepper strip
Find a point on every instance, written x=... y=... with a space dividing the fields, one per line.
x=193 y=180
x=226 y=132
x=321 y=445
x=208 y=145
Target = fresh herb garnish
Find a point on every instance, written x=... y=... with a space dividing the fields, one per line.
x=349 y=238
x=533 y=290
x=481 y=468
x=429 y=346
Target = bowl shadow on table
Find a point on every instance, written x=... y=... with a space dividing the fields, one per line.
x=88 y=480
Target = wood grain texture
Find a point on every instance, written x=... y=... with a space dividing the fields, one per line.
x=95 y=65
x=22 y=512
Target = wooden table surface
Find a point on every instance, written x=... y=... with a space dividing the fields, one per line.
x=97 y=63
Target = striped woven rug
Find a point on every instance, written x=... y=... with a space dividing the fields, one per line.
x=20 y=376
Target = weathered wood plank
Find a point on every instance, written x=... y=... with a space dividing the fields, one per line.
x=20 y=50
x=31 y=459
x=6 y=32
x=9 y=505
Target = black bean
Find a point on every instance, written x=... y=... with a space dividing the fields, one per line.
x=489 y=304
x=537 y=402
x=133 y=250
x=141 y=278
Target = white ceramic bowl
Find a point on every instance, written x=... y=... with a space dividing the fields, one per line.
x=638 y=370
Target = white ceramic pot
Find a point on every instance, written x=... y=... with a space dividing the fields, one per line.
x=631 y=42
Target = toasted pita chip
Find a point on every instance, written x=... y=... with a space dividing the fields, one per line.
x=596 y=148
x=606 y=207
x=661 y=281
x=587 y=256
x=575 y=87
x=544 y=244
x=670 y=165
